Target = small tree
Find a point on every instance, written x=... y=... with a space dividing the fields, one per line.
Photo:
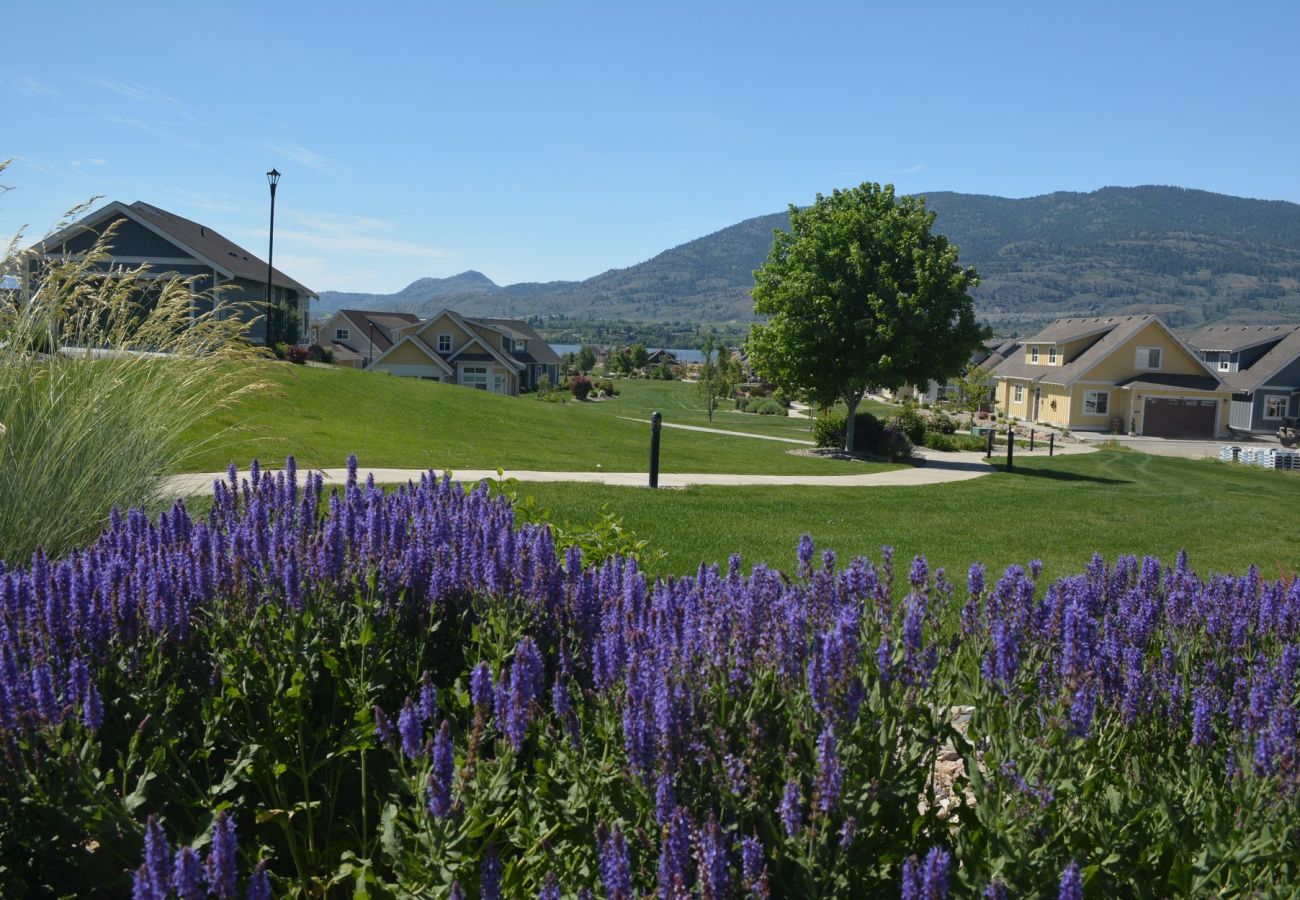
x=973 y=389
x=638 y=356
x=585 y=360
x=714 y=383
x=861 y=293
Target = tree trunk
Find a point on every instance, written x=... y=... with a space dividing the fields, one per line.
x=848 y=422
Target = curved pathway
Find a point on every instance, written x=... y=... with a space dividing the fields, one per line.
x=937 y=468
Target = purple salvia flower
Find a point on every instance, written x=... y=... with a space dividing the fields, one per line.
x=912 y=887
x=1202 y=718
x=562 y=706
x=428 y=708
x=92 y=711
x=187 y=874
x=142 y=885
x=935 y=877
x=830 y=776
x=456 y=893
x=615 y=869
x=996 y=890
x=848 y=830
x=408 y=726
x=791 y=815
x=47 y=707
x=665 y=799
x=383 y=727
x=753 y=869
x=490 y=875
x=715 y=872
x=440 y=779
x=480 y=687
x=884 y=658
x=157 y=857
x=550 y=888
x=1071 y=883
x=805 y=555
x=259 y=884
x=221 y=857
x=675 y=858
x=1081 y=710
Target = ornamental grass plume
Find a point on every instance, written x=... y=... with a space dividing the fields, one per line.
x=98 y=388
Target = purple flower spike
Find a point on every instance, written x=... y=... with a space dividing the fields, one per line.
x=187 y=875
x=912 y=887
x=142 y=885
x=440 y=779
x=791 y=815
x=995 y=891
x=615 y=870
x=221 y=857
x=935 y=875
x=480 y=687
x=259 y=885
x=1071 y=883
x=490 y=885
x=157 y=857
x=551 y=889
x=408 y=726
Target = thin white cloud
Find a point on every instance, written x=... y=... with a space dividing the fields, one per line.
x=910 y=170
x=301 y=155
x=136 y=91
x=350 y=237
x=93 y=161
x=35 y=86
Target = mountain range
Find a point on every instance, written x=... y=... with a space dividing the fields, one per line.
x=1191 y=256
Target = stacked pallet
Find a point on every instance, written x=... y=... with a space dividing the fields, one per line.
x=1268 y=458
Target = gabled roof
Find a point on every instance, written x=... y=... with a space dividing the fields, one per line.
x=997 y=351
x=205 y=245
x=538 y=350
x=386 y=324
x=1234 y=338
x=420 y=345
x=1267 y=366
x=1117 y=332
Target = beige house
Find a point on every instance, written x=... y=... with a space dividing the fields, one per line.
x=504 y=356
x=1119 y=373
x=359 y=336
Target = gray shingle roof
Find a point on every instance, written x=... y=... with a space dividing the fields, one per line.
x=225 y=253
x=1157 y=380
x=387 y=324
x=1231 y=338
x=1268 y=365
x=1114 y=331
x=1065 y=330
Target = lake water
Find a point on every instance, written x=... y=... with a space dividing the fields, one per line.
x=683 y=355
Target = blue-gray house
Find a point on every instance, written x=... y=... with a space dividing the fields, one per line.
x=1260 y=364
x=169 y=243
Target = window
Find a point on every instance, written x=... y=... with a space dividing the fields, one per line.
x=521 y=346
x=475 y=377
x=1096 y=403
x=1033 y=354
x=1225 y=362
x=1019 y=394
x=1051 y=356
x=1275 y=406
x=444 y=342
x=341 y=334
x=505 y=342
x=1147 y=358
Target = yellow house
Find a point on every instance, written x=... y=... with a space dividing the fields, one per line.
x=1118 y=373
x=504 y=356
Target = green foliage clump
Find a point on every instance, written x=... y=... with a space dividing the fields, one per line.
x=942 y=423
x=580 y=387
x=910 y=422
x=828 y=430
x=770 y=407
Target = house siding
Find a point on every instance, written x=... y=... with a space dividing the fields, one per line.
x=1174 y=359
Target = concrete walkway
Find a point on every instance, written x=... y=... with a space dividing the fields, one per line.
x=936 y=468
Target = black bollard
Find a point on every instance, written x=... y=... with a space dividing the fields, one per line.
x=1011 y=448
x=1051 y=443
x=655 y=421
x=990 y=435
x=1031 y=440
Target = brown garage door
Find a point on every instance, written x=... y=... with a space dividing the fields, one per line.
x=1175 y=418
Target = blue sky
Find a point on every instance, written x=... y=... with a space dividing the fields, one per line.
x=557 y=140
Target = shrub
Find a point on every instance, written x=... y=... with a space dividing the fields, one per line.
x=895 y=444
x=280 y=349
x=867 y=432
x=544 y=385
x=770 y=408
x=296 y=354
x=910 y=422
x=580 y=386
x=608 y=387
x=327 y=355
x=828 y=430
x=781 y=397
x=742 y=403
x=946 y=443
x=942 y=423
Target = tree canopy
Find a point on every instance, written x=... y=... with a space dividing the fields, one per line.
x=859 y=294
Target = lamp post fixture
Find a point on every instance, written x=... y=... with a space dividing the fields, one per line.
x=272 y=178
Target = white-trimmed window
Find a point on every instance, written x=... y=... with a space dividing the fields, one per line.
x=1018 y=393
x=341 y=334
x=521 y=346
x=1096 y=403
x=1033 y=354
x=1275 y=405
x=1147 y=358
x=1225 y=362
x=474 y=376
x=444 y=342
x=1051 y=356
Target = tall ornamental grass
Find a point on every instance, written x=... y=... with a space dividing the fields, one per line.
x=406 y=693
x=97 y=388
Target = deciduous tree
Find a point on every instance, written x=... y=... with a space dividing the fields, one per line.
x=860 y=293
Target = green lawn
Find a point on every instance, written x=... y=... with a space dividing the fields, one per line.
x=681 y=404
x=322 y=415
x=1059 y=510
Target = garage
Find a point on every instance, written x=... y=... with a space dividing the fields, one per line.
x=1178 y=417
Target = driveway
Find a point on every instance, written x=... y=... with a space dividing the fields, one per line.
x=1186 y=449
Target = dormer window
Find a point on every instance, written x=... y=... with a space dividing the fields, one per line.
x=1051 y=356
x=521 y=346
x=505 y=343
x=1033 y=355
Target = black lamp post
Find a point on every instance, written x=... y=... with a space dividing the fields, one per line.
x=272 y=178
x=372 y=345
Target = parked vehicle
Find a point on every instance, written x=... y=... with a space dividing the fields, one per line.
x=1289 y=432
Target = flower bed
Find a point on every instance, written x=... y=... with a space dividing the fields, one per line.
x=407 y=693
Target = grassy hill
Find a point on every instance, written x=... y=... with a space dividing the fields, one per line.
x=1191 y=256
x=321 y=415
